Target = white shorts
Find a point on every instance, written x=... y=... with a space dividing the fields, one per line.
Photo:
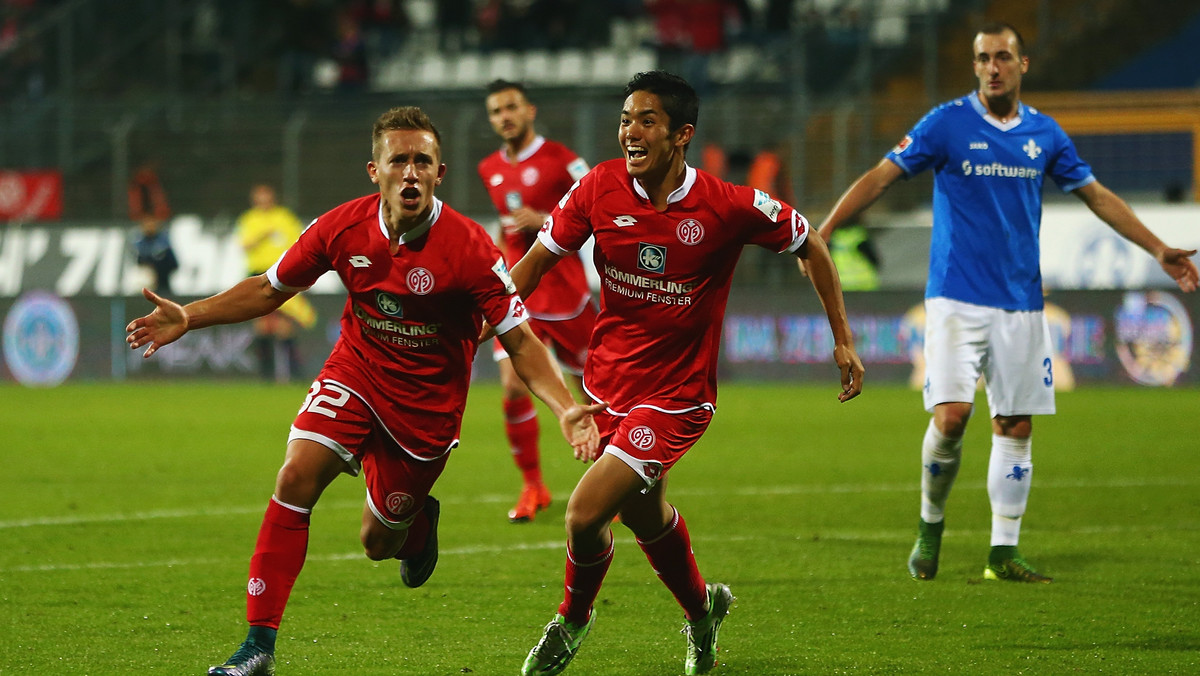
x=1010 y=350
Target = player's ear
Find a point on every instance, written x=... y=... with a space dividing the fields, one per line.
x=441 y=174
x=373 y=172
x=684 y=134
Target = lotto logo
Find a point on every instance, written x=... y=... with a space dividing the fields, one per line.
x=256 y=586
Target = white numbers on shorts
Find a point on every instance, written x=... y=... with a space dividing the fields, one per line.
x=320 y=394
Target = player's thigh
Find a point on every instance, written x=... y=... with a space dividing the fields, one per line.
x=1019 y=372
x=956 y=348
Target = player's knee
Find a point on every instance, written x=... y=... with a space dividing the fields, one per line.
x=584 y=524
x=951 y=419
x=381 y=546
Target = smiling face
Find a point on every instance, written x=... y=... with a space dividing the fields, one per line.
x=999 y=65
x=406 y=168
x=511 y=116
x=645 y=135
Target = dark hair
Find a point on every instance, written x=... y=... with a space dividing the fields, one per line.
x=679 y=100
x=998 y=27
x=402 y=117
x=500 y=84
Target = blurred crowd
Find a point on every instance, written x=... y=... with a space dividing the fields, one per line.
x=294 y=46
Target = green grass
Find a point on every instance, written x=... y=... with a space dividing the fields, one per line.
x=128 y=514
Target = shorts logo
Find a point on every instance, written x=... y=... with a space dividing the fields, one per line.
x=690 y=231
x=651 y=257
x=419 y=281
x=642 y=438
x=652 y=470
x=517 y=309
x=256 y=586
x=398 y=503
x=388 y=304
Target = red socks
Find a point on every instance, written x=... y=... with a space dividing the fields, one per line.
x=670 y=554
x=582 y=584
x=278 y=557
x=521 y=427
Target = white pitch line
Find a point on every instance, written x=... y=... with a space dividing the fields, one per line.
x=837 y=489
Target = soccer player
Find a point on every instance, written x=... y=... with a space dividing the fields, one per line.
x=389 y=399
x=990 y=155
x=667 y=238
x=525 y=179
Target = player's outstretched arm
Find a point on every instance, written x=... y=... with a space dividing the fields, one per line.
x=535 y=366
x=1120 y=217
x=861 y=194
x=824 y=277
x=249 y=298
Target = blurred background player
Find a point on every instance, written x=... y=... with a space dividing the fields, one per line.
x=525 y=179
x=983 y=297
x=265 y=231
x=421 y=278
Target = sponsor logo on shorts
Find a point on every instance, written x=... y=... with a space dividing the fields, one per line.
x=398 y=503
x=642 y=438
x=256 y=586
x=420 y=281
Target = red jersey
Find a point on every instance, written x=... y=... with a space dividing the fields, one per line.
x=665 y=279
x=542 y=174
x=411 y=323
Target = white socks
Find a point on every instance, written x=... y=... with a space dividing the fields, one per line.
x=1009 y=473
x=940 y=457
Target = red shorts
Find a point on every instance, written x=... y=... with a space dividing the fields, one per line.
x=568 y=338
x=397 y=481
x=650 y=441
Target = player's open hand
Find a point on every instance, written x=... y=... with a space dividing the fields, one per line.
x=163 y=326
x=579 y=428
x=852 y=372
x=1178 y=263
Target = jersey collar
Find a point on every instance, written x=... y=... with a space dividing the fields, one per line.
x=417 y=232
x=991 y=119
x=528 y=152
x=689 y=179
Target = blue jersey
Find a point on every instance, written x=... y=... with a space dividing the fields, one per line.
x=987 y=198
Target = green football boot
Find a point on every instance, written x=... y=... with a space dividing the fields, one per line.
x=249 y=660
x=1004 y=563
x=557 y=648
x=923 y=561
x=702 y=648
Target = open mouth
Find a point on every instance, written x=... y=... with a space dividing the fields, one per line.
x=635 y=153
x=410 y=194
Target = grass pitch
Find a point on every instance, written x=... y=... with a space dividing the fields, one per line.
x=128 y=514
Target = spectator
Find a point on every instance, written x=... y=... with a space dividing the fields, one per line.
x=148 y=209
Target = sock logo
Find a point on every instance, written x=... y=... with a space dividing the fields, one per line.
x=934 y=469
x=256 y=586
x=1018 y=473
